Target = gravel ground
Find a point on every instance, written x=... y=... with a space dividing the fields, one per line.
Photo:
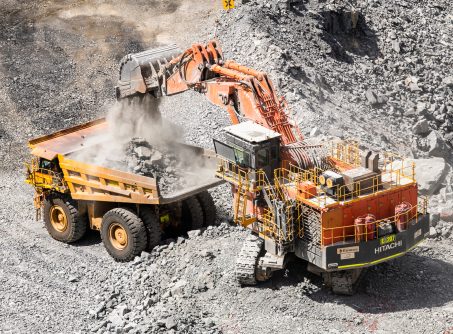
x=58 y=66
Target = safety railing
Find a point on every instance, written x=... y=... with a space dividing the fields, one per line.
x=394 y=174
x=280 y=188
x=281 y=234
x=371 y=230
x=297 y=219
x=387 y=179
x=45 y=178
x=295 y=173
x=257 y=181
x=261 y=180
x=294 y=176
x=346 y=152
x=392 y=162
x=269 y=227
x=231 y=172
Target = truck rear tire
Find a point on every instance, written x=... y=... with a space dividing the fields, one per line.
x=192 y=213
x=123 y=234
x=152 y=225
x=208 y=207
x=62 y=219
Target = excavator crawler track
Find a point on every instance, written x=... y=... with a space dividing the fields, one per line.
x=247 y=260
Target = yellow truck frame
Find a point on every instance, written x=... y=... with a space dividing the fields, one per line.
x=128 y=209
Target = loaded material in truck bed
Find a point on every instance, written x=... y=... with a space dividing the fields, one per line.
x=100 y=182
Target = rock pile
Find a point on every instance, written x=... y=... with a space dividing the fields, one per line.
x=375 y=70
x=182 y=286
x=380 y=71
x=145 y=159
x=154 y=292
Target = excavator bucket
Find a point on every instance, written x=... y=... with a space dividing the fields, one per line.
x=146 y=71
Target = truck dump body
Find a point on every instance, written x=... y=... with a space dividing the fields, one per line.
x=93 y=182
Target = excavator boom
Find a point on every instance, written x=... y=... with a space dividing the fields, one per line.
x=245 y=93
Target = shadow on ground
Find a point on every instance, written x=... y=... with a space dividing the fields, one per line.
x=91 y=237
x=407 y=283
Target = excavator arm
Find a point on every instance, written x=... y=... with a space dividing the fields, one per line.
x=245 y=93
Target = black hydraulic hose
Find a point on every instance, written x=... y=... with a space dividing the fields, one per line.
x=180 y=65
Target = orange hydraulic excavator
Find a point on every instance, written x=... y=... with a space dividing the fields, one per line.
x=338 y=208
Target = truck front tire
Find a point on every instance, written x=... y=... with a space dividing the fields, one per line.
x=62 y=219
x=123 y=234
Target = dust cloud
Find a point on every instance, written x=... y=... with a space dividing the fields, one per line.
x=126 y=120
x=138 y=140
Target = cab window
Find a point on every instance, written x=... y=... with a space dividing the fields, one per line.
x=262 y=157
x=242 y=158
x=273 y=152
x=46 y=164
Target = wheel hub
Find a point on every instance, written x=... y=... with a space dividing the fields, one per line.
x=58 y=218
x=118 y=236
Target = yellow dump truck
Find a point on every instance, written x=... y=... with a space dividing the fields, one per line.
x=130 y=211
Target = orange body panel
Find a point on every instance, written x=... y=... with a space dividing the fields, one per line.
x=332 y=219
x=381 y=206
x=306 y=190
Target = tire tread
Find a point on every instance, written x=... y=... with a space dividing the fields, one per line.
x=137 y=233
x=76 y=223
x=208 y=207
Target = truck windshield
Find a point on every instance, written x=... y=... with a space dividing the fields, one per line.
x=46 y=164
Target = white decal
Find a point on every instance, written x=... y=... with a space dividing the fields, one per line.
x=348 y=250
x=345 y=256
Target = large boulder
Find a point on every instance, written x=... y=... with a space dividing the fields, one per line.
x=430 y=174
x=374 y=98
x=421 y=127
x=446 y=213
x=437 y=147
x=448 y=81
x=143 y=152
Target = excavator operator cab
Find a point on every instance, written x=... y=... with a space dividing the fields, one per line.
x=251 y=146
